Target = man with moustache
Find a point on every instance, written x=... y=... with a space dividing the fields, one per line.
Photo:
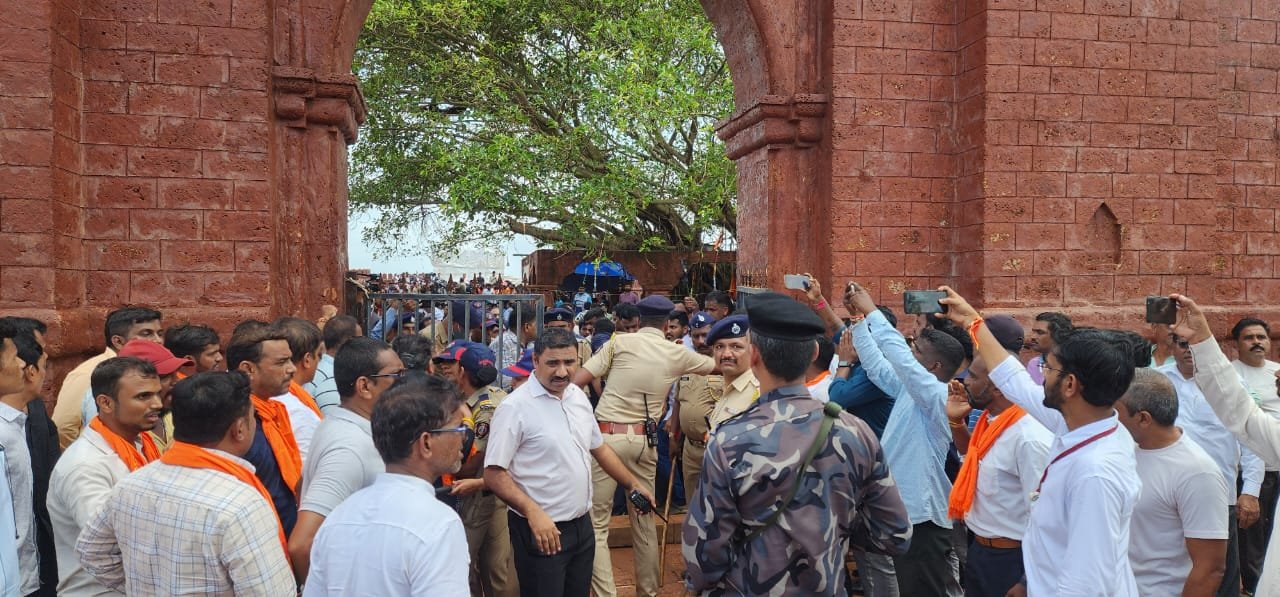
x=394 y=538
x=542 y=442
x=122 y=325
x=1004 y=458
x=696 y=396
x=1077 y=537
x=263 y=354
x=731 y=350
x=1252 y=338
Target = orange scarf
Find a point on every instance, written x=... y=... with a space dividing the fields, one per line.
x=966 y=485
x=193 y=456
x=817 y=380
x=125 y=450
x=279 y=433
x=304 y=397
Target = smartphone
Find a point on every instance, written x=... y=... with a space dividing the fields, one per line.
x=795 y=281
x=915 y=302
x=1160 y=309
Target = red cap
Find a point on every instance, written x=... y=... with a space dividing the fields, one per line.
x=156 y=354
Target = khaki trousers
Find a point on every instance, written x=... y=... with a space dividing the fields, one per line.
x=642 y=461
x=691 y=460
x=485 y=519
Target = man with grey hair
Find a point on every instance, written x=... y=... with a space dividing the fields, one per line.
x=1178 y=535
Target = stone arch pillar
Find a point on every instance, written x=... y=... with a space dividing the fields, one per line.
x=317 y=109
x=778 y=60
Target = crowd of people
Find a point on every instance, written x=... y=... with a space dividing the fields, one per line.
x=485 y=452
x=432 y=283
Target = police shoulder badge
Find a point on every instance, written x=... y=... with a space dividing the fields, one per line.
x=482 y=430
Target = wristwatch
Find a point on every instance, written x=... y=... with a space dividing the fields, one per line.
x=844 y=364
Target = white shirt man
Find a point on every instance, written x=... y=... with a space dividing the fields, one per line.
x=79 y=486
x=13 y=439
x=1183 y=497
x=1078 y=483
x=1007 y=476
x=396 y=517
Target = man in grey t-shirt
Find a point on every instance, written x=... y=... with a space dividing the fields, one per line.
x=343 y=459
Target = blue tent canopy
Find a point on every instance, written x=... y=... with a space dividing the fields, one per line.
x=604 y=269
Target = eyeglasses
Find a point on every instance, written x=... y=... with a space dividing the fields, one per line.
x=1060 y=371
x=396 y=375
x=467 y=432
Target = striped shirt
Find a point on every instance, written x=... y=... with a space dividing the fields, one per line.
x=173 y=530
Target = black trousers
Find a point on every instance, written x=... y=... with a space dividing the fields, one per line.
x=925 y=570
x=1230 y=586
x=1253 y=540
x=566 y=574
x=991 y=572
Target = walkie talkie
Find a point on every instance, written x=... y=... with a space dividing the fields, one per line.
x=650 y=425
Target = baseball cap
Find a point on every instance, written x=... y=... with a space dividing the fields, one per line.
x=156 y=354
x=521 y=368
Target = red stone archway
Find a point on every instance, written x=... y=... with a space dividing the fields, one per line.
x=192 y=155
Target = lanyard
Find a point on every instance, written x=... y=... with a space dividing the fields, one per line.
x=1035 y=495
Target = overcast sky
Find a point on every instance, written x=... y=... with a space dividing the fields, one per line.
x=361 y=257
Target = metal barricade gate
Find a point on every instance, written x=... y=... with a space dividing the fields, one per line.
x=426 y=306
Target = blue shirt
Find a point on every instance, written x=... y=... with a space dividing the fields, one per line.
x=916 y=437
x=387 y=322
x=324 y=388
x=862 y=398
x=264 y=464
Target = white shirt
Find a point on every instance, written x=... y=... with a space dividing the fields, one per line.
x=819 y=388
x=13 y=438
x=1077 y=539
x=545 y=444
x=393 y=538
x=303 y=419
x=1183 y=497
x=1259 y=430
x=343 y=460
x=1007 y=474
x=10 y=578
x=1261 y=382
x=79 y=486
x=1198 y=422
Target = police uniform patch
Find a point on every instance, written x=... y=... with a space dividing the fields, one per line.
x=482 y=430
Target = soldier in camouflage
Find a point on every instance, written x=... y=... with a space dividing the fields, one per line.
x=733 y=545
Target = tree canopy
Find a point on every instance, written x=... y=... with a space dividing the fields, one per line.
x=582 y=123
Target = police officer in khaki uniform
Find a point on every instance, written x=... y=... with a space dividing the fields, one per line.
x=563 y=318
x=696 y=395
x=484 y=516
x=641 y=368
x=732 y=351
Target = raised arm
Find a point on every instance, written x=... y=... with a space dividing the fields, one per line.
x=1221 y=385
x=1006 y=372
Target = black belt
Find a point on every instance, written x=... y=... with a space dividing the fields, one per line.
x=696 y=443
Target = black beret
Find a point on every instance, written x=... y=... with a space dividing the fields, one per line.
x=782 y=317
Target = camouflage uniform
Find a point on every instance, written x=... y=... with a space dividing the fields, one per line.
x=848 y=494
x=484 y=516
x=697 y=395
